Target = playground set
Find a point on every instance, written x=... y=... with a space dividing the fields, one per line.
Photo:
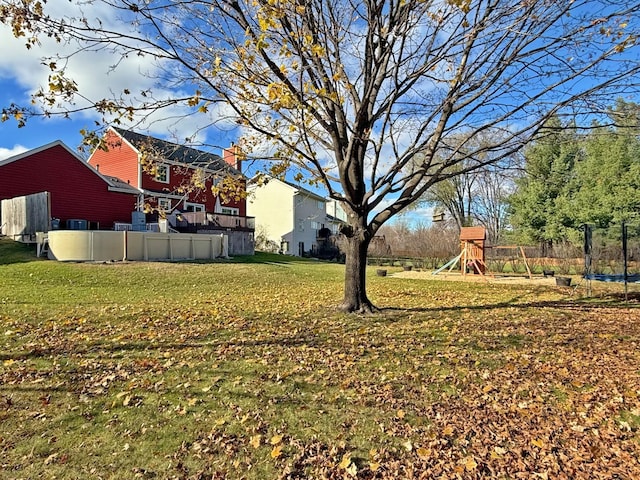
x=610 y=255
x=472 y=257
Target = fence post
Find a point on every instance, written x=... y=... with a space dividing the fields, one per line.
x=625 y=262
x=588 y=243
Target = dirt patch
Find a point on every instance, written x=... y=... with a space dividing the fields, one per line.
x=458 y=277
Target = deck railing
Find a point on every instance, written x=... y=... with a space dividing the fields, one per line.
x=222 y=220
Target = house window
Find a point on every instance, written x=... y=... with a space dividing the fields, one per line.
x=320 y=204
x=193 y=207
x=164 y=204
x=162 y=173
x=301 y=224
x=230 y=211
x=315 y=226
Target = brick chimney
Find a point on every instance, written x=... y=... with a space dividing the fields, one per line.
x=233 y=157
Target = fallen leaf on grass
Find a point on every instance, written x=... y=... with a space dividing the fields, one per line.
x=277 y=451
x=497 y=452
x=423 y=453
x=538 y=442
x=470 y=464
x=345 y=462
x=255 y=441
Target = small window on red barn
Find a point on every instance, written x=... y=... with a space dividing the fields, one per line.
x=164 y=204
x=162 y=173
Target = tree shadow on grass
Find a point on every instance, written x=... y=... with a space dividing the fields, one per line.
x=15 y=252
x=312 y=339
x=582 y=304
x=101 y=347
x=263 y=258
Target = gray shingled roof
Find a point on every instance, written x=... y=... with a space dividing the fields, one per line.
x=121 y=184
x=173 y=152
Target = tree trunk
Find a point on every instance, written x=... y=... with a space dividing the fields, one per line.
x=355 y=292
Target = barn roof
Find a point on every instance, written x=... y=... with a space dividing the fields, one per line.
x=33 y=151
x=114 y=184
x=121 y=185
x=173 y=152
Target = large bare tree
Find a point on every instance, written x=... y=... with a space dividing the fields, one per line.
x=352 y=92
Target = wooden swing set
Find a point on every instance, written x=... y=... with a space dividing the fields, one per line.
x=472 y=253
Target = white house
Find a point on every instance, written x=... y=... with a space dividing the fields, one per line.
x=336 y=216
x=288 y=215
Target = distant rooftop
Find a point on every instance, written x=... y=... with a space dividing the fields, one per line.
x=296 y=187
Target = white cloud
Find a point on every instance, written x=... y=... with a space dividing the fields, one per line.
x=420 y=215
x=102 y=73
x=10 y=152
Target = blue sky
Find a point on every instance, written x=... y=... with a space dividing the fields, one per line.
x=22 y=73
x=38 y=132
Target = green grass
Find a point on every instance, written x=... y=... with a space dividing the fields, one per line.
x=192 y=370
x=15 y=252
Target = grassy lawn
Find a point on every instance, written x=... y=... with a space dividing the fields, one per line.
x=243 y=370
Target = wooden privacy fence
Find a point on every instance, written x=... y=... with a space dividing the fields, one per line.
x=22 y=217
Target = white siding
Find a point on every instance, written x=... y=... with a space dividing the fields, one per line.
x=286 y=214
x=307 y=211
x=335 y=210
x=272 y=207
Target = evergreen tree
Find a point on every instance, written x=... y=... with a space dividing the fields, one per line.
x=609 y=175
x=541 y=208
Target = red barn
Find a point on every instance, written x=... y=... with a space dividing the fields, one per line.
x=76 y=189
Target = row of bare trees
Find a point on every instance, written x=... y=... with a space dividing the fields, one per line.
x=432 y=244
x=479 y=191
